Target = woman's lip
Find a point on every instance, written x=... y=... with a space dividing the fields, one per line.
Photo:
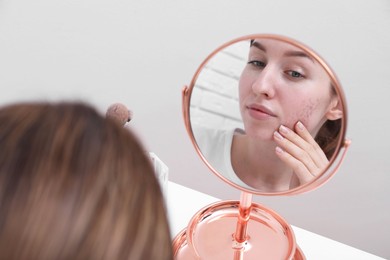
x=260 y=110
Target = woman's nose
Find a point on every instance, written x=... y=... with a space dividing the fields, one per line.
x=264 y=84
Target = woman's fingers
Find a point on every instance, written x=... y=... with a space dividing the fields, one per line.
x=294 y=145
x=300 y=151
x=312 y=146
x=303 y=174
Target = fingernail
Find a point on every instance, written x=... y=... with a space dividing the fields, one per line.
x=300 y=125
x=278 y=149
x=278 y=136
x=283 y=129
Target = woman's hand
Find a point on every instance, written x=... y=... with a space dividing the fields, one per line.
x=300 y=151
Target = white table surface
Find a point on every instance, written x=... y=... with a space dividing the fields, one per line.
x=183 y=203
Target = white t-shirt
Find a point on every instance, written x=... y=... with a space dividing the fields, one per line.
x=215 y=145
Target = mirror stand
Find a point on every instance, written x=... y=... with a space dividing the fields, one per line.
x=240 y=241
x=259 y=233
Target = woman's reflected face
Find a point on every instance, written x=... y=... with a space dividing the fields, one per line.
x=281 y=85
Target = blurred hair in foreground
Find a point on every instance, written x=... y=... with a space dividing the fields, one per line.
x=76 y=185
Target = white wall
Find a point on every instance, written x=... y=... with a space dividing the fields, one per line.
x=214 y=98
x=141 y=53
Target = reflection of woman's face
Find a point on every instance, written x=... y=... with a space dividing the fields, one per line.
x=281 y=84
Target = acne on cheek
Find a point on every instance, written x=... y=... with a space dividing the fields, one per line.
x=304 y=115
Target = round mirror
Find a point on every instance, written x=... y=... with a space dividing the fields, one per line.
x=267 y=115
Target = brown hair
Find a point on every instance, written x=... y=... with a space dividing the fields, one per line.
x=76 y=185
x=328 y=136
x=329 y=133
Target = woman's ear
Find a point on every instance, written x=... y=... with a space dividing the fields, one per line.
x=335 y=112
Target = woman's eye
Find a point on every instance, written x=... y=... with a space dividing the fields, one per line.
x=257 y=63
x=295 y=74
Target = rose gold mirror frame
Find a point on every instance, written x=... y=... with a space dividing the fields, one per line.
x=342 y=145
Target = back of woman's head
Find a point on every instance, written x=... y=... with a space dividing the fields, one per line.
x=76 y=185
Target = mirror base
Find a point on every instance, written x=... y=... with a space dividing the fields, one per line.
x=182 y=251
x=210 y=234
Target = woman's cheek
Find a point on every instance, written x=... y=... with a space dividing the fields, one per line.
x=304 y=113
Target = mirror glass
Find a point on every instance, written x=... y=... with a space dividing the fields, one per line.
x=266 y=113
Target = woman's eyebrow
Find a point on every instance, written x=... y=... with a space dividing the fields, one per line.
x=290 y=53
x=298 y=54
x=259 y=46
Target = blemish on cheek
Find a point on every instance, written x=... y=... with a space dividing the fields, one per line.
x=307 y=111
x=303 y=113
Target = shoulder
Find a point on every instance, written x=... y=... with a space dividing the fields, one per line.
x=209 y=137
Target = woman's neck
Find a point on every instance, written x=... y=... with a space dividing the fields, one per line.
x=255 y=163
